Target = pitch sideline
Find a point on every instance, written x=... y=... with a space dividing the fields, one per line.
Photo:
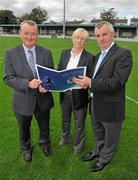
x=130 y=99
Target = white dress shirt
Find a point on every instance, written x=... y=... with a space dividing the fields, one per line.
x=73 y=61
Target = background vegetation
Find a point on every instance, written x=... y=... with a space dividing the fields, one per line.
x=64 y=164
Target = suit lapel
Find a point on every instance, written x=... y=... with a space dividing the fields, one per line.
x=67 y=59
x=23 y=59
x=82 y=60
x=96 y=59
x=38 y=55
x=107 y=57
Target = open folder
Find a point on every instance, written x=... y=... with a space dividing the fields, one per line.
x=59 y=80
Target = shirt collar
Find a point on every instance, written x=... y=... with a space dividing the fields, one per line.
x=106 y=50
x=26 y=49
x=72 y=54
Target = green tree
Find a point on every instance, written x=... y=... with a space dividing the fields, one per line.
x=38 y=15
x=7 y=17
x=24 y=17
x=108 y=15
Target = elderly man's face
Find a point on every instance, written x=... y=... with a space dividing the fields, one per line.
x=104 y=37
x=28 y=35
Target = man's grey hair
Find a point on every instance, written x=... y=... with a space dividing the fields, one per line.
x=102 y=23
x=30 y=22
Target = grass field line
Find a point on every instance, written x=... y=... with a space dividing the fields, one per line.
x=130 y=99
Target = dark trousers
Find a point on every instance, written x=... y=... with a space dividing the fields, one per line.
x=24 y=123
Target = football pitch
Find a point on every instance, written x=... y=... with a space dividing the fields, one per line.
x=64 y=165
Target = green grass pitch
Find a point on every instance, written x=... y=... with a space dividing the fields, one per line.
x=64 y=165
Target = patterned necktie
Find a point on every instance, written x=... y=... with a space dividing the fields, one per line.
x=101 y=57
x=31 y=61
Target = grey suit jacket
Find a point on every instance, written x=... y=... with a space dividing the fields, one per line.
x=17 y=74
x=80 y=96
x=108 y=85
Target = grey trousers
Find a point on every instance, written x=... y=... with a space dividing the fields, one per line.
x=106 y=137
x=79 y=122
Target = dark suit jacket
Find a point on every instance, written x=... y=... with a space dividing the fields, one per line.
x=80 y=96
x=108 y=86
x=17 y=75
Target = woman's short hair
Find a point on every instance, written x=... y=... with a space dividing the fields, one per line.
x=81 y=31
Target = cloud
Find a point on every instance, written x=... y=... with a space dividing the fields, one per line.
x=78 y=9
x=19 y=7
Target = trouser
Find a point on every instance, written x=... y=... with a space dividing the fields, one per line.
x=106 y=137
x=24 y=123
x=79 y=122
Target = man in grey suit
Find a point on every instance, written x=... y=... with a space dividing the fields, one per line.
x=29 y=97
x=109 y=77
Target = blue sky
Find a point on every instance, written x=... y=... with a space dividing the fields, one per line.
x=75 y=9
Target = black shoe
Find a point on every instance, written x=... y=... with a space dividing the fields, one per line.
x=89 y=156
x=47 y=151
x=98 y=166
x=27 y=157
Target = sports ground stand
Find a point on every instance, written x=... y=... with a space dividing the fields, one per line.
x=123 y=29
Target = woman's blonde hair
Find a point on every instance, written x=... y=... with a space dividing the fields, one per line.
x=81 y=31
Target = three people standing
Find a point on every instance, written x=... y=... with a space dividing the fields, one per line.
x=106 y=79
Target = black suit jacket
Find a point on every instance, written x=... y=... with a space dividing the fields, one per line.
x=108 y=85
x=80 y=96
x=17 y=74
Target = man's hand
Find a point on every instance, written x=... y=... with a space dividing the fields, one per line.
x=34 y=84
x=42 y=90
x=83 y=81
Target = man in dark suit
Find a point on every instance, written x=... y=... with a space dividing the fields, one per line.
x=109 y=77
x=29 y=97
x=75 y=101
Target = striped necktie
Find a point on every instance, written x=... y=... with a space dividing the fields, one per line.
x=101 y=57
x=31 y=61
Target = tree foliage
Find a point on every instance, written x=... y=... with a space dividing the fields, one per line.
x=24 y=17
x=7 y=17
x=38 y=15
x=108 y=15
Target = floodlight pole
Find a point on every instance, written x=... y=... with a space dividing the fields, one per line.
x=64 y=33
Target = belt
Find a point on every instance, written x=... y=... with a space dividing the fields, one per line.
x=69 y=92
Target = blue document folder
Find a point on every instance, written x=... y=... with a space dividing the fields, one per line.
x=59 y=80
